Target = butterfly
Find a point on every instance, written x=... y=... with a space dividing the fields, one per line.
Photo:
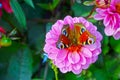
x=77 y=36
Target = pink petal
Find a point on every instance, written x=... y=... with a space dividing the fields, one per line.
x=64 y=69
x=76 y=66
x=85 y=66
x=94 y=59
x=47 y=48
x=82 y=59
x=6 y=6
x=60 y=65
x=52 y=55
x=69 y=20
x=51 y=38
x=61 y=55
x=98 y=44
x=98 y=17
x=107 y=20
x=92 y=29
x=75 y=20
x=84 y=22
x=88 y=60
x=91 y=47
x=63 y=63
x=73 y=57
x=86 y=52
x=96 y=52
x=76 y=71
x=57 y=27
x=117 y=34
x=109 y=31
x=98 y=36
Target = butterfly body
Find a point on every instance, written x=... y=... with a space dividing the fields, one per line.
x=76 y=37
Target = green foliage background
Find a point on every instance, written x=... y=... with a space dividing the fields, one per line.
x=32 y=20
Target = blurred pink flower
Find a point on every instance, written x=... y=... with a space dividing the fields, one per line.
x=111 y=18
x=5 y=4
x=102 y=3
x=75 y=60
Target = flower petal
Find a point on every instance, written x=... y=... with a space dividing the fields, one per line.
x=65 y=69
x=96 y=52
x=109 y=31
x=77 y=71
x=6 y=6
x=107 y=20
x=61 y=55
x=57 y=27
x=82 y=59
x=98 y=17
x=117 y=34
x=52 y=55
x=75 y=20
x=84 y=22
x=86 y=52
x=73 y=57
x=69 y=20
x=76 y=66
x=85 y=66
x=94 y=59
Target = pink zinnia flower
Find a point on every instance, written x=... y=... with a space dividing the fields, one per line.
x=5 y=4
x=111 y=18
x=72 y=57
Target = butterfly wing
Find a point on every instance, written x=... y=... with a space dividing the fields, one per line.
x=83 y=36
x=64 y=41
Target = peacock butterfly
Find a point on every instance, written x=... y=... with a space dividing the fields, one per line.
x=78 y=36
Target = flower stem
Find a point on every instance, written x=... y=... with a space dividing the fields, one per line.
x=56 y=75
x=93 y=9
x=55 y=70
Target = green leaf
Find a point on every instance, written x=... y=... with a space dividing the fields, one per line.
x=105 y=47
x=89 y=3
x=115 y=44
x=37 y=79
x=116 y=74
x=81 y=10
x=18 y=12
x=46 y=6
x=71 y=76
x=49 y=6
x=20 y=65
x=5 y=54
x=55 y=3
x=105 y=50
x=30 y=2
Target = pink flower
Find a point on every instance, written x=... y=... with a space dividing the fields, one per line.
x=77 y=57
x=102 y=3
x=5 y=4
x=111 y=18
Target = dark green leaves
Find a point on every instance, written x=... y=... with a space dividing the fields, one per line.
x=81 y=10
x=30 y=2
x=49 y=6
x=18 y=12
x=20 y=65
x=115 y=44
